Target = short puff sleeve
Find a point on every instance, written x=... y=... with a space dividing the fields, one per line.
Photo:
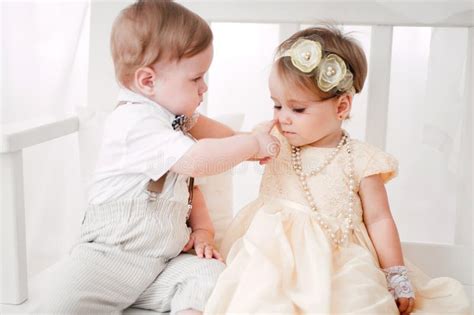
x=380 y=162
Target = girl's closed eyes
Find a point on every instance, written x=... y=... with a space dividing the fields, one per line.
x=296 y=110
x=299 y=110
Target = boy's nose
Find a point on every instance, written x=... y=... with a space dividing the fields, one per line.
x=203 y=88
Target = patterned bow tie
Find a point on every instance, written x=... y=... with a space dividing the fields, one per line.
x=179 y=122
x=183 y=122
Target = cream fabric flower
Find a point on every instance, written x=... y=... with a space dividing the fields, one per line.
x=305 y=54
x=332 y=71
x=347 y=82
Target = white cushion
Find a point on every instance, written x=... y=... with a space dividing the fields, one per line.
x=218 y=189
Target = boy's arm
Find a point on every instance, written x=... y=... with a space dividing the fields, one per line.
x=199 y=218
x=213 y=156
x=202 y=236
x=206 y=127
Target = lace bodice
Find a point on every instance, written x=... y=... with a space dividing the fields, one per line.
x=330 y=187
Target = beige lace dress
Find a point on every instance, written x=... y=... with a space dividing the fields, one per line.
x=279 y=259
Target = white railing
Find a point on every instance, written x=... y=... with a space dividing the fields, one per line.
x=442 y=13
x=15 y=138
x=382 y=16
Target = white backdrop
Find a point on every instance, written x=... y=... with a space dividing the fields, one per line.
x=427 y=118
x=44 y=71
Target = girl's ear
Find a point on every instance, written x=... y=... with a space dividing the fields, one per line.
x=344 y=105
x=145 y=79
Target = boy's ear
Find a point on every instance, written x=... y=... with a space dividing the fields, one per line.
x=145 y=78
x=344 y=105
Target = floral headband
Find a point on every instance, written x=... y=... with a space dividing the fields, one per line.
x=331 y=70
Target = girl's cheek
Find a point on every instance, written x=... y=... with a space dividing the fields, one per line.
x=275 y=115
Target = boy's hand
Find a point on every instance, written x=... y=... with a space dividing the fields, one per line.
x=268 y=144
x=203 y=243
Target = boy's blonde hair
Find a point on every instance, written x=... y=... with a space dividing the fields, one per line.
x=333 y=41
x=149 y=31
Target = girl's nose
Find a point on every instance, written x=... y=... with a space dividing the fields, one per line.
x=282 y=117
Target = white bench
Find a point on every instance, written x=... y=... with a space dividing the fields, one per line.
x=436 y=260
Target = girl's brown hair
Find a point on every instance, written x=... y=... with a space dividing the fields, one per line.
x=149 y=31
x=333 y=41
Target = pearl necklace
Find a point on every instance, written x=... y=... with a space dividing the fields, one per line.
x=347 y=226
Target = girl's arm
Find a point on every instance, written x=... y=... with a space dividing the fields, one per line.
x=379 y=221
x=384 y=235
x=206 y=127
